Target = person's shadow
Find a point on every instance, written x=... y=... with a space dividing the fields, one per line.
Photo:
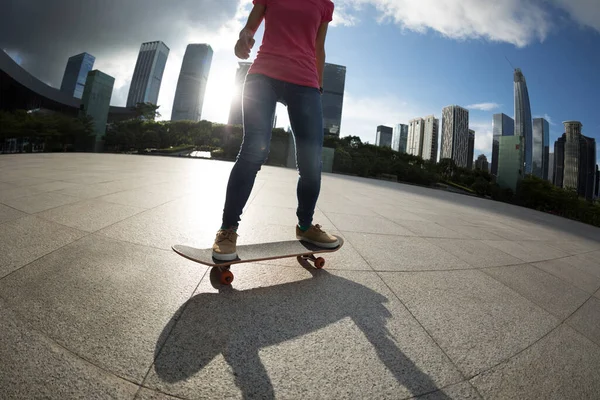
x=237 y=324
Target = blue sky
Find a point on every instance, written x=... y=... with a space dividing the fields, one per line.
x=404 y=58
x=419 y=71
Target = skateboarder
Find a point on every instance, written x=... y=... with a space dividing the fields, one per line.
x=288 y=69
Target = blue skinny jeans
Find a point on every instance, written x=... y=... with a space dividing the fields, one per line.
x=260 y=97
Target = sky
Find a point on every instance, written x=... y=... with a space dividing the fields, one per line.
x=404 y=58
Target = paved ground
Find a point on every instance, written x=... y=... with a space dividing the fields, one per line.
x=434 y=294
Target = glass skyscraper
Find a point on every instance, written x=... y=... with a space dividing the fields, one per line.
x=384 y=135
x=455 y=135
x=541 y=148
x=503 y=125
x=148 y=73
x=510 y=162
x=95 y=103
x=471 y=154
x=76 y=74
x=523 y=122
x=399 y=138
x=191 y=86
x=334 y=83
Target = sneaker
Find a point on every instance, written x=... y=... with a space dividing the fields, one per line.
x=224 y=248
x=317 y=236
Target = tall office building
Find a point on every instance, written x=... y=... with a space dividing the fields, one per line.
x=191 y=86
x=414 y=142
x=510 y=161
x=334 y=83
x=430 y=138
x=384 y=135
x=76 y=74
x=400 y=138
x=148 y=73
x=95 y=102
x=235 y=111
x=575 y=161
x=471 y=154
x=541 y=148
x=523 y=122
x=482 y=163
x=455 y=135
x=503 y=125
x=550 y=168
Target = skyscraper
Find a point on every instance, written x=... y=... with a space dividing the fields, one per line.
x=191 y=86
x=523 y=123
x=334 y=83
x=235 y=111
x=503 y=125
x=575 y=161
x=95 y=103
x=455 y=135
x=430 y=138
x=76 y=74
x=482 y=163
x=471 y=154
x=384 y=135
x=510 y=161
x=400 y=138
x=541 y=149
x=148 y=73
x=414 y=143
x=550 y=168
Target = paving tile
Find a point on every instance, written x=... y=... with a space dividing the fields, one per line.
x=9 y=214
x=589 y=262
x=104 y=300
x=573 y=247
x=472 y=232
x=89 y=215
x=563 y=365
x=527 y=250
x=53 y=186
x=547 y=291
x=34 y=366
x=587 y=320
x=476 y=253
x=476 y=320
x=570 y=272
x=140 y=198
x=17 y=192
x=40 y=202
x=25 y=181
x=430 y=229
x=366 y=224
x=87 y=191
x=459 y=391
x=396 y=253
x=507 y=232
x=181 y=221
x=26 y=239
x=269 y=215
x=343 y=207
x=147 y=394
x=261 y=337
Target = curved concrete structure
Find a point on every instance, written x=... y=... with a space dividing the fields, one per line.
x=21 y=90
x=434 y=294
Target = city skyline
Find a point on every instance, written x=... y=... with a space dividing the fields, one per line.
x=383 y=86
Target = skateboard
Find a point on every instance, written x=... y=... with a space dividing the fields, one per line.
x=248 y=253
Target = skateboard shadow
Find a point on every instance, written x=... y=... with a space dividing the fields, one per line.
x=238 y=324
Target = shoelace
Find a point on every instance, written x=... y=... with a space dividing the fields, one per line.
x=226 y=235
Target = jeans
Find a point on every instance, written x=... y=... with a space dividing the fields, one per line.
x=260 y=97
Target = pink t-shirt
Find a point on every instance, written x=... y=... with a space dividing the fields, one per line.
x=288 y=50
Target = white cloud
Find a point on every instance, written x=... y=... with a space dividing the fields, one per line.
x=585 y=12
x=519 y=22
x=484 y=106
x=483 y=137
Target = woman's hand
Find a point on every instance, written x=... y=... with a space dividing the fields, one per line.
x=244 y=44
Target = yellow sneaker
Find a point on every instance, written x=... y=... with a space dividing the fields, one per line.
x=317 y=236
x=224 y=248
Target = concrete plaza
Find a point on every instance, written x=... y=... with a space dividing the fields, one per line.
x=435 y=295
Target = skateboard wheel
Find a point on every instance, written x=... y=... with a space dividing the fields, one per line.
x=319 y=262
x=226 y=277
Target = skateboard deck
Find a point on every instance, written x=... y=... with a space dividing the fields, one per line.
x=258 y=252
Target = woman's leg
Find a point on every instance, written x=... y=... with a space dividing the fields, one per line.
x=306 y=118
x=258 y=106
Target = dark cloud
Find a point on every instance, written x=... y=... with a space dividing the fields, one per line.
x=45 y=33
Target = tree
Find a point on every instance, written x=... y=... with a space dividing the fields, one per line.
x=147 y=111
